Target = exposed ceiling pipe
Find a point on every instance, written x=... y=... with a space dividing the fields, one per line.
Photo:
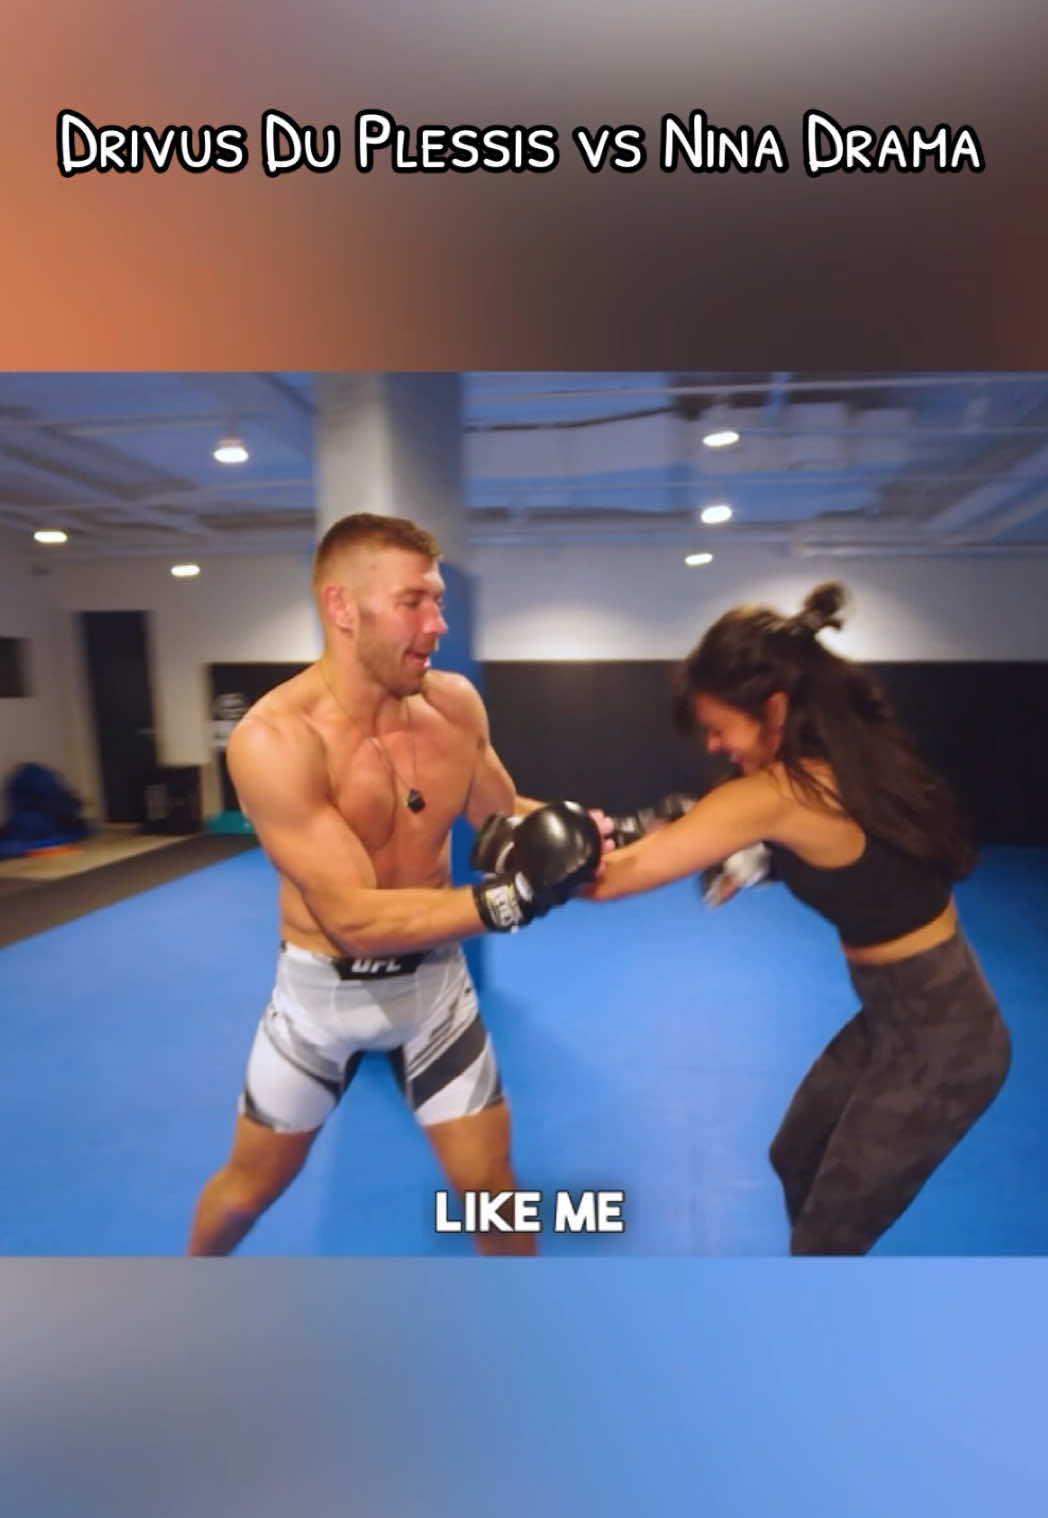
x=925 y=551
x=1026 y=511
x=849 y=432
x=104 y=426
x=725 y=387
x=79 y=462
x=499 y=495
x=832 y=536
x=995 y=493
x=812 y=548
x=188 y=496
x=284 y=542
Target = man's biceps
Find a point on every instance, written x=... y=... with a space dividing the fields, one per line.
x=284 y=847
x=492 y=771
x=325 y=854
x=256 y=792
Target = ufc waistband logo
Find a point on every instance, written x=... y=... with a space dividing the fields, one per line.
x=377 y=969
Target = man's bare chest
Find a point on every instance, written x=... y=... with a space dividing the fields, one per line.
x=401 y=796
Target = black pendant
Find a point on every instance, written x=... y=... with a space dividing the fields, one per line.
x=416 y=801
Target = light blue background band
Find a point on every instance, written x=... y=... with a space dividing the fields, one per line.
x=726 y=1388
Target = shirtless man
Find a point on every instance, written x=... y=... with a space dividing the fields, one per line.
x=352 y=774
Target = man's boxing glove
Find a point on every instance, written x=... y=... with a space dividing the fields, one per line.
x=492 y=844
x=542 y=860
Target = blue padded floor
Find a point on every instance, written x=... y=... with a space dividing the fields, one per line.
x=650 y=1046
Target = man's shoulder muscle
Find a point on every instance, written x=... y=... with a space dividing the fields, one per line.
x=456 y=699
x=273 y=744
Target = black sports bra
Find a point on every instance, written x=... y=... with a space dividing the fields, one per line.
x=883 y=895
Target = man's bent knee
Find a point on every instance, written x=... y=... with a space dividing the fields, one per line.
x=262 y=1164
x=244 y=1194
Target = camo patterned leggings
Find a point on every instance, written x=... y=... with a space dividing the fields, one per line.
x=890 y=1096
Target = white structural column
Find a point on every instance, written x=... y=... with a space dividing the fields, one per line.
x=392 y=444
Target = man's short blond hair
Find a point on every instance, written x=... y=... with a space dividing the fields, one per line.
x=364 y=529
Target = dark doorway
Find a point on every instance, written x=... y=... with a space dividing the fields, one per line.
x=117 y=654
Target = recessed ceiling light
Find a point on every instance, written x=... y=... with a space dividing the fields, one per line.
x=694 y=559
x=185 y=571
x=713 y=514
x=46 y=535
x=722 y=439
x=231 y=451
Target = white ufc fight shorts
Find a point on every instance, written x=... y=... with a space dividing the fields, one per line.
x=325 y=1014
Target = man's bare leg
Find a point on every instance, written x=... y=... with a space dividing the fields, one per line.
x=261 y=1166
x=473 y=1153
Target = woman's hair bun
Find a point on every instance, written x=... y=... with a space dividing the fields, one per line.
x=822 y=607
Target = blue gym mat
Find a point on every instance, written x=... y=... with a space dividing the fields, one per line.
x=648 y=1046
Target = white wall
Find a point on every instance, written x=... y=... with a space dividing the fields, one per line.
x=643 y=602
x=237 y=609
x=40 y=727
x=602 y=602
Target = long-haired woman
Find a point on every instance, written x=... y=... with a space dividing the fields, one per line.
x=862 y=831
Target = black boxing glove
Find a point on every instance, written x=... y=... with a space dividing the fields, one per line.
x=634 y=825
x=543 y=859
x=492 y=844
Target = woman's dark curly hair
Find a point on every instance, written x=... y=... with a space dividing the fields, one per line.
x=835 y=712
